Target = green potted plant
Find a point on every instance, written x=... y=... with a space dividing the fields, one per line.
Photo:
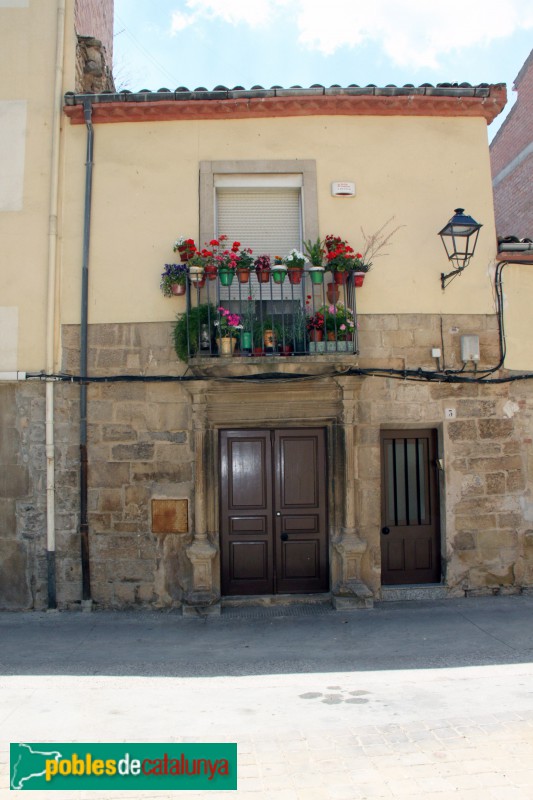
x=315 y=253
x=279 y=270
x=249 y=321
x=225 y=258
x=174 y=279
x=188 y=329
x=298 y=329
x=339 y=323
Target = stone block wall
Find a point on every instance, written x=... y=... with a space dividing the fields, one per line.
x=139 y=450
x=22 y=497
x=141 y=447
x=484 y=487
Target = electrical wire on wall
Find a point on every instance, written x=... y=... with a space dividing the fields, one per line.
x=417 y=374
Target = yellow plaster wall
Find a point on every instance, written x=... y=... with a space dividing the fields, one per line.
x=27 y=73
x=518 y=296
x=145 y=194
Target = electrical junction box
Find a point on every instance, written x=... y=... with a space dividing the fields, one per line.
x=469 y=348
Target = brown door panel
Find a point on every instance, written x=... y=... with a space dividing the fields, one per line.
x=273 y=511
x=410 y=533
x=246 y=512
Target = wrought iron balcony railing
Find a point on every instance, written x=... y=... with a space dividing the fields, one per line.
x=261 y=317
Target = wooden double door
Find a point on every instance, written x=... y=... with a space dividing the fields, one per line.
x=410 y=532
x=273 y=505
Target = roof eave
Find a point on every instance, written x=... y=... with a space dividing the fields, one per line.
x=482 y=101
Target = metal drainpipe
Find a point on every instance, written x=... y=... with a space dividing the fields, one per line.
x=51 y=308
x=84 y=520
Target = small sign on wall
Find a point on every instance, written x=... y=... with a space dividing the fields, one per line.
x=343 y=189
x=170 y=516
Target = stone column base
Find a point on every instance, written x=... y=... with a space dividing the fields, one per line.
x=351 y=592
x=199 y=610
x=353 y=596
x=202 y=596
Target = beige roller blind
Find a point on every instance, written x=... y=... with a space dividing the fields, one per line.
x=267 y=219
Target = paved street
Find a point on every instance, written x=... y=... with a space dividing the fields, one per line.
x=432 y=700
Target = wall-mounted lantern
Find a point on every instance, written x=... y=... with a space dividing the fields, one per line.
x=459 y=237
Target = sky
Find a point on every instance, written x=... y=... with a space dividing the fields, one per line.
x=207 y=43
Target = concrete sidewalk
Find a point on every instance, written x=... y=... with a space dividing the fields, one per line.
x=405 y=701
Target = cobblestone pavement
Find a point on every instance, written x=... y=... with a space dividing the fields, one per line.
x=460 y=731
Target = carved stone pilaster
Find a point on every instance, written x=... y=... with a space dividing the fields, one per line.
x=202 y=595
x=350 y=591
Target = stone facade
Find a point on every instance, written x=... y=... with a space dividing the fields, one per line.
x=158 y=441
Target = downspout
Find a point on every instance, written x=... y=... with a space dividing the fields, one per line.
x=84 y=520
x=51 y=308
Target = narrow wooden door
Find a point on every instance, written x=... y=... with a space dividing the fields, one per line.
x=273 y=511
x=410 y=532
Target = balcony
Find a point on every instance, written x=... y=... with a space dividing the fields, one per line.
x=262 y=325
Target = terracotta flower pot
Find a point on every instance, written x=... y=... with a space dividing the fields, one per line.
x=243 y=275
x=263 y=275
x=211 y=271
x=178 y=289
x=316 y=335
x=295 y=275
x=341 y=278
x=333 y=292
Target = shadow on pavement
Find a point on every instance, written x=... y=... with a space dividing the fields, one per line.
x=392 y=636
